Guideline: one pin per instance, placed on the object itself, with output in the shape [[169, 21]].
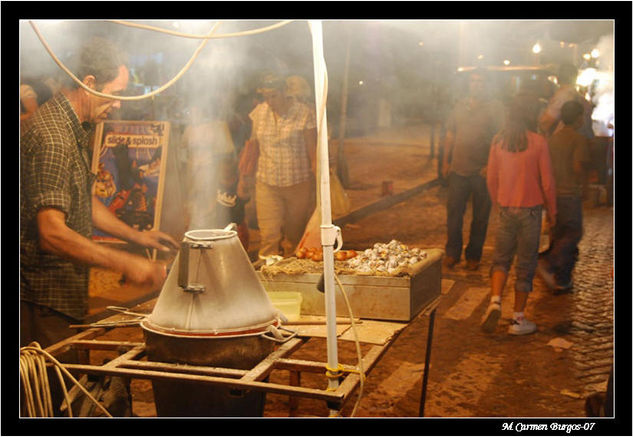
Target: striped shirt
[[54, 173], [283, 158]]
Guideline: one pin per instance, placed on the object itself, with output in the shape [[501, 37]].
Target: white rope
[[206, 38], [195, 36], [36, 385], [122, 98]]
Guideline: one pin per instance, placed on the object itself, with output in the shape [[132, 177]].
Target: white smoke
[[603, 93]]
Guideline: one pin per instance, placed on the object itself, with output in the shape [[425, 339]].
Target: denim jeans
[[460, 189], [519, 233], [561, 255]]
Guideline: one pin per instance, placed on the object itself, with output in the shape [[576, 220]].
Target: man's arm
[[104, 220], [57, 238]]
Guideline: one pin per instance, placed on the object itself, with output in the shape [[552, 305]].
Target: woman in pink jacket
[[521, 183]]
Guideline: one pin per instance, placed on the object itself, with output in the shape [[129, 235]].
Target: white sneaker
[[490, 319], [522, 327]]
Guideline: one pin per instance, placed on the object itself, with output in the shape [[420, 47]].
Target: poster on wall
[[129, 160]]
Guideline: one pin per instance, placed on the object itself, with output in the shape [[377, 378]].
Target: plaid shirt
[[55, 173], [283, 158]]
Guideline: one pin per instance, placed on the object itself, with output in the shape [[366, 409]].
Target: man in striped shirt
[[57, 209]]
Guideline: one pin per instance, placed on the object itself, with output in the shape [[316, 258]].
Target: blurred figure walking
[[520, 182], [570, 158], [470, 129]]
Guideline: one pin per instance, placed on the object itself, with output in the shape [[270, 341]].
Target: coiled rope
[[37, 392]]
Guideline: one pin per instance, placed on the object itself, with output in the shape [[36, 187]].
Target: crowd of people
[[525, 160]]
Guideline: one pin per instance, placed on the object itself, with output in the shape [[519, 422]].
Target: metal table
[[130, 363]]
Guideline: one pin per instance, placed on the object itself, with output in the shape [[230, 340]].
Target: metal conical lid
[[216, 292]]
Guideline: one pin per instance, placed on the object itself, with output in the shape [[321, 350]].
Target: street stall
[[213, 337]]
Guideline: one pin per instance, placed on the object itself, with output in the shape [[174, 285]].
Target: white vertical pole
[[328, 231]]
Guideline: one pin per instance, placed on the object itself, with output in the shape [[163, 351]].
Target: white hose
[[361, 370], [194, 36], [205, 38], [122, 98]]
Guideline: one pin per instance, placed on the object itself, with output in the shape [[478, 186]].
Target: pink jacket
[[522, 179]]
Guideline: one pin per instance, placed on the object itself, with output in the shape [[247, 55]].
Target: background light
[[480, 57], [506, 62], [586, 56], [536, 48], [595, 53], [586, 77]]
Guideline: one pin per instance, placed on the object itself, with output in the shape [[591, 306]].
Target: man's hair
[[570, 112], [98, 57], [567, 73]]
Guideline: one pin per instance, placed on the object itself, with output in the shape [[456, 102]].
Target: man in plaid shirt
[[58, 211], [285, 132]]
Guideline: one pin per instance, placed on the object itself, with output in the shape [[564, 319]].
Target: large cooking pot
[[212, 311]]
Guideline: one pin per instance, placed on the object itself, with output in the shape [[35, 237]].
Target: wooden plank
[[66, 344], [370, 360], [294, 365], [374, 332], [318, 331], [261, 370], [129, 355], [324, 395], [384, 203], [105, 344], [182, 368]]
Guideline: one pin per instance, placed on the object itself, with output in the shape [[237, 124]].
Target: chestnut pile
[[390, 258]]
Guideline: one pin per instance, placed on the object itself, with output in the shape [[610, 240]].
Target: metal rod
[[320, 84], [427, 361]]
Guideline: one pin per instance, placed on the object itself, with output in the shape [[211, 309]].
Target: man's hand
[[146, 273], [483, 172], [157, 240]]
